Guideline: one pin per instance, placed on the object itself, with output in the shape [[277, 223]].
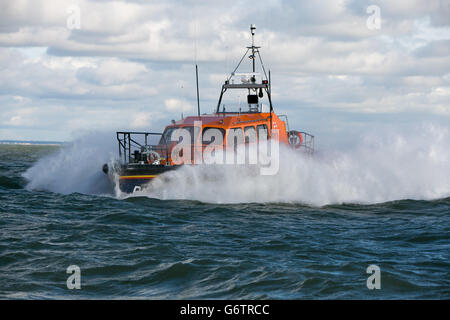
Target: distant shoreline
[[29, 143]]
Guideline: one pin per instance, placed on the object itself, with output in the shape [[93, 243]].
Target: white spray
[[76, 167], [381, 168]]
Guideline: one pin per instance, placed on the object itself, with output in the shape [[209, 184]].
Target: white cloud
[[132, 63], [141, 120], [175, 105], [112, 71]]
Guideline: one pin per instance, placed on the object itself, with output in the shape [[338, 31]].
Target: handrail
[[308, 142], [127, 141]]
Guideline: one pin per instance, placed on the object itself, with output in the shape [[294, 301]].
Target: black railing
[[308, 142], [133, 145], [301, 140]]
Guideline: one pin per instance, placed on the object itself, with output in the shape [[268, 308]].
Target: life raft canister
[[153, 157], [295, 139]]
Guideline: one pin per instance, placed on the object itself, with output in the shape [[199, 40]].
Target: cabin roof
[[225, 119]]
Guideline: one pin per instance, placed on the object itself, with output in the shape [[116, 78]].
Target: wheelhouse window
[[211, 135], [250, 134], [166, 137], [235, 136], [263, 133]]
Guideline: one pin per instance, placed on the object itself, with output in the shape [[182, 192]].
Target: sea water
[[310, 231]]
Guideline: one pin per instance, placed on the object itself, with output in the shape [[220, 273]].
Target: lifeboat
[[244, 115]]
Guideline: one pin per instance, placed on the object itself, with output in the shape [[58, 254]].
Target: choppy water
[[267, 247]]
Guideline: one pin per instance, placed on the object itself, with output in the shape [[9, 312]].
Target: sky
[[338, 68]]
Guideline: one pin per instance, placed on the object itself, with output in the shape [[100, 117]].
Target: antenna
[[270, 83], [271, 107], [252, 30], [198, 95]]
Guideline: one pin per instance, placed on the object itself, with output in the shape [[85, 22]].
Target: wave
[[382, 167], [76, 167]]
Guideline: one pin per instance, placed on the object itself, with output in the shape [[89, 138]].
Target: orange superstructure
[[251, 126]]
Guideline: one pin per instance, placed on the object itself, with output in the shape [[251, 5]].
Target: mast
[[251, 84], [198, 96], [252, 30]]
